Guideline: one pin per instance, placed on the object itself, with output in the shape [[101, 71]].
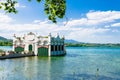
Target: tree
[[53, 8]]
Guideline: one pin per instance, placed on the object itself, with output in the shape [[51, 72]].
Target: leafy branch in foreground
[[53, 8], [9, 6]]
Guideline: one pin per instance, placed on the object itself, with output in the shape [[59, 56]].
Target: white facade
[[39, 44]]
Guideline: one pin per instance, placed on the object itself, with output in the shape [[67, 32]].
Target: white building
[[39, 45]]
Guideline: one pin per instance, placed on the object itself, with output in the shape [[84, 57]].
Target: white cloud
[[42, 27], [2, 0], [78, 22], [80, 34], [36, 21], [107, 26], [18, 5], [93, 18], [5, 18], [86, 33], [99, 17], [75, 29], [115, 30], [41, 22], [116, 25]]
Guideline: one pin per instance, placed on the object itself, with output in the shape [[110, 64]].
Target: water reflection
[[30, 68], [57, 68], [37, 68], [78, 64]]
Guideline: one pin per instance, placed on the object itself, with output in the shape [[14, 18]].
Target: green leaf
[[53, 8], [38, 0], [29, 0], [0, 7]]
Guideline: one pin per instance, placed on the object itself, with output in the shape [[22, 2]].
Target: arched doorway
[[30, 47]]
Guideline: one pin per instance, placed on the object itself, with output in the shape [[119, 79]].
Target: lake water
[[79, 64]]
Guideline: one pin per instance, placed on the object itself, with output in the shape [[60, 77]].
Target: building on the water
[[39, 45]]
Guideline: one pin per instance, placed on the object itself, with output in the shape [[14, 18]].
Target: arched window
[[45, 42], [39, 42]]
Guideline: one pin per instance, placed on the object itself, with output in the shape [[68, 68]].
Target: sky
[[93, 21]]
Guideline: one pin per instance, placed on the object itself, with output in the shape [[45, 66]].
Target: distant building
[[39, 45]]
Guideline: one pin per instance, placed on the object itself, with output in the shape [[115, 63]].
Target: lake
[[80, 63]]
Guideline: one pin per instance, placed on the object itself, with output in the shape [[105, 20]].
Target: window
[[62, 47], [39, 42], [59, 47], [52, 48], [55, 47], [45, 42]]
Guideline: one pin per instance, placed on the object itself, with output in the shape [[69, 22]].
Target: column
[[36, 49], [49, 48]]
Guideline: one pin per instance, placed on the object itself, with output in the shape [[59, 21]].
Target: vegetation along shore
[[93, 45]]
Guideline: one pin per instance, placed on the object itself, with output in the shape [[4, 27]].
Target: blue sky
[[94, 21]]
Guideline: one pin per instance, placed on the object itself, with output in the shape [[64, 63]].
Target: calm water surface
[[79, 64]]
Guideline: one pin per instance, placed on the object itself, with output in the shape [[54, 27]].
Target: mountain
[[71, 41], [4, 39]]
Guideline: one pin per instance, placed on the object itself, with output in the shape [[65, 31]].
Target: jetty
[[16, 55]]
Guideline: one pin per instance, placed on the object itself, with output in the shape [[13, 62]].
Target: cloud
[[94, 27], [94, 18], [41, 22], [78, 22], [107, 26], [2, 0], [115, 30], [5, 18], [103, 16], [36, 21], [85, 34], [18, 5], [115, 25], [43, 27]]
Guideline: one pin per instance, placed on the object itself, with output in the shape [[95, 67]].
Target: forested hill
[[5, 41], [93, 45], [71, 41]]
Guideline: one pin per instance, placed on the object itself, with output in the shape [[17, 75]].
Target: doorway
[[30, 47]]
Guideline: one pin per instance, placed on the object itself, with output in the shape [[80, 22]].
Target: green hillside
[[5, 41]]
